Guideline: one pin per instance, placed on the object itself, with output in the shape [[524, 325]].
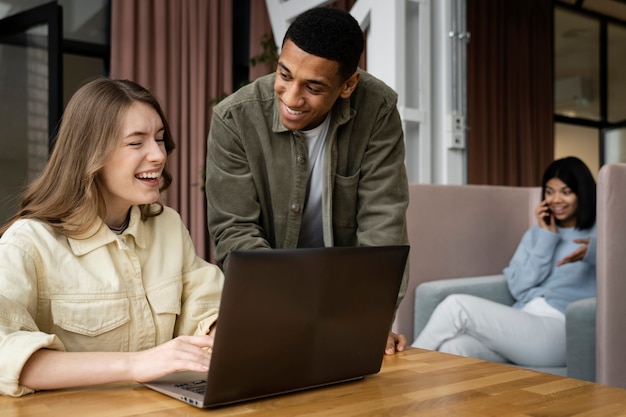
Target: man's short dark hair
[[329, 33]]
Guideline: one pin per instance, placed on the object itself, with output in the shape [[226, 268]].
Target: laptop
[[295, 319]]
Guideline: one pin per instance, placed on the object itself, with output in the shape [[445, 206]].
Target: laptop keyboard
[[198, 386]]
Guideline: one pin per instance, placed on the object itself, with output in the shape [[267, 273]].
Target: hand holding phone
[[545, 217], [548, 217]]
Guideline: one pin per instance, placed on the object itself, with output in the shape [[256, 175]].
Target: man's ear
[[350, 85]]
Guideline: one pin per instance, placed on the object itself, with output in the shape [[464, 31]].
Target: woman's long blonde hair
[[68, 193]]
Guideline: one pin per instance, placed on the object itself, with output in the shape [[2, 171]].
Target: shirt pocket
[[87, 325]]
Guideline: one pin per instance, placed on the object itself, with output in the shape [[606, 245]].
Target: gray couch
[[472, 231], [460, 231], [611, 313], [580, 318]]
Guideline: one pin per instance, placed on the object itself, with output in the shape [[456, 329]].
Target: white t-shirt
[[311, 230]]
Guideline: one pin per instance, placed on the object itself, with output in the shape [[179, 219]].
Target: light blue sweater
[[533, 271]]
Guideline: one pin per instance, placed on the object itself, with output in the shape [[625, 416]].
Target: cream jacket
[[102, 293]]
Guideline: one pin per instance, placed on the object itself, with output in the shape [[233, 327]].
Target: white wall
[[579, 141]]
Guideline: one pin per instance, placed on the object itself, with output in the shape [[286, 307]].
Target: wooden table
[[413, 383]]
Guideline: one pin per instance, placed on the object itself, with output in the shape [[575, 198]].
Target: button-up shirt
[[257, 172]]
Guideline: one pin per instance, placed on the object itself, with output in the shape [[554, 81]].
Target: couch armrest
[[581, 339], [429, 294]]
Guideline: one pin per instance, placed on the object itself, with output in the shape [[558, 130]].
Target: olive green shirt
[[257, 171]]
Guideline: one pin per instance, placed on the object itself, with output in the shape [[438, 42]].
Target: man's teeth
[[294, 112]]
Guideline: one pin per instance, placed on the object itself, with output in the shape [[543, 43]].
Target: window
[[589, 80]]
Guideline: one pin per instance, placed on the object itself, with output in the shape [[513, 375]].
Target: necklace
[[120, 229]]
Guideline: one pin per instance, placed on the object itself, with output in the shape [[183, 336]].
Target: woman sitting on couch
[[554, 265]]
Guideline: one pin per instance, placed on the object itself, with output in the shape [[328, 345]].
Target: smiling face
[[307, 86], [131, 174], [562, 202]]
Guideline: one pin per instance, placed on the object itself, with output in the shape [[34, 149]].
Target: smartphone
[[548, 217]]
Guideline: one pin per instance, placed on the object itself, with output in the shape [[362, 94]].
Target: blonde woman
[[99, 282]]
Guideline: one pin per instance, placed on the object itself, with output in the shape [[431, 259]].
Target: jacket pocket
[[345, 200], [90, 318], [165, 302], [165, 299]]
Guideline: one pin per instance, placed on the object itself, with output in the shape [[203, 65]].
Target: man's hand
[[395, 343]]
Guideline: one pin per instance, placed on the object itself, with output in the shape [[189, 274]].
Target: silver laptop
[[293, 319]]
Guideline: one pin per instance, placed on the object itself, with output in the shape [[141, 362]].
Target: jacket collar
[[99, 234]]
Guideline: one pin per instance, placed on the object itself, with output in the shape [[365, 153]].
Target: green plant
[[269, 56]]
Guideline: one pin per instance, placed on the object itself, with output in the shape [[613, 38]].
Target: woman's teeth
[[148, 175]]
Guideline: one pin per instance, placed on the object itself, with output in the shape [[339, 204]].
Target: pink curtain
[[260, 30], [182, 51]]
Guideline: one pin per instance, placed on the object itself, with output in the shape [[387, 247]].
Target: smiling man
[[312, 155]]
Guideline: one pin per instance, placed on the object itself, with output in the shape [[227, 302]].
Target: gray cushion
[[580, 318], [429, 294]]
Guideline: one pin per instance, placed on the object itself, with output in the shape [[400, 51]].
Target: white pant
[[471, 326]]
